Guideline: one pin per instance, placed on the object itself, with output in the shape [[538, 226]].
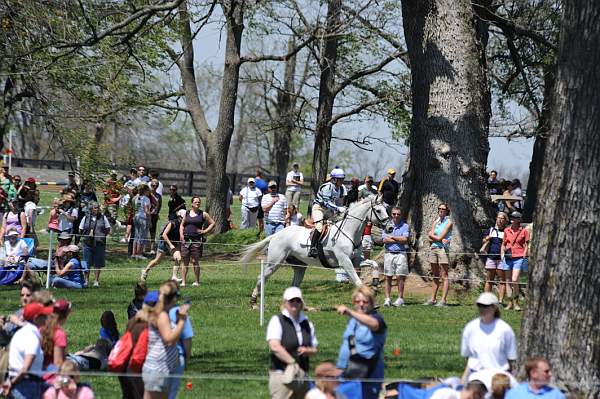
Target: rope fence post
[[49, 258], [262, 293]]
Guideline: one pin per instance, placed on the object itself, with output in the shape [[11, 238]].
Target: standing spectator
[[389, 188], [53, 217], [184, 346], [86, 197], [6, 183], [395, 260], [364, 337], [515, 250], [94, 228], [154, 175], [140, 220], [275, 207], [20, 191], [506, 205], [175, 203], [250, 199], [142, 176], [71, 275], [67, 214], [488, 342], [367, 246], [25, 358], [493, 264], [133, 175], [191, 235], [136, 304], [54, 337], [228, 203], [108, 327], [517, 192], [168, 244], [128, 205], [31, 216], [14, 219], [352, 193], [112, 196], [439, 237], [66, 384], [366, 189], [262, 185], [292, 341], [163, 357], [294, 182], [72, 183], [155, 207], [493, 185], [3, 203], [537, 385], [293, 217]]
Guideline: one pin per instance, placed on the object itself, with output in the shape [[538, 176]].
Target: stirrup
[[313, 252]]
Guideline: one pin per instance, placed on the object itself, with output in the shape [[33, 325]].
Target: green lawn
[[229, 343]]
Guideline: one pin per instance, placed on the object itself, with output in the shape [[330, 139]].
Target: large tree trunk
[[285, 111], [449, 131], [539, 147], [327, 65], [562, 318]]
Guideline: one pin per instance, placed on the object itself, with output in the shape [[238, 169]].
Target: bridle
[[369, 218]]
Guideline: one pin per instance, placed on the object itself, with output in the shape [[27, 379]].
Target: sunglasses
[[295, 300], [442, 209], [395, 214], [357, 301], [479, 305]]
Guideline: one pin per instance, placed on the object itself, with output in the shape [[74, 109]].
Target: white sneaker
[[123, 240], [96, 284], [399, 302], [195, 284], [387, 302], [176, 279]]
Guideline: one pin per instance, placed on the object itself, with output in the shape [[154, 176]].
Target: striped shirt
[[161, 358], [277, 213]]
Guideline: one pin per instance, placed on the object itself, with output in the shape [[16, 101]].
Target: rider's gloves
[[341, 209]]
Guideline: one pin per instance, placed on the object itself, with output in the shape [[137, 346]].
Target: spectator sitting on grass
[[136, 304], [67, 385], [71, 275], [15, 250], [108, 327], [93, 357]]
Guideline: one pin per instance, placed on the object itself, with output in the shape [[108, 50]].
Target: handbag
[[358, 367]]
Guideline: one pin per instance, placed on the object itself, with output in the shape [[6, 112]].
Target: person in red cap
[[25, 358]]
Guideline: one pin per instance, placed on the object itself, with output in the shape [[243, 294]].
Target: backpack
[[138, 356], [120, 354]]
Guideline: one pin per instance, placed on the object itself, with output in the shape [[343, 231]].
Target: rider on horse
[[325, 206]]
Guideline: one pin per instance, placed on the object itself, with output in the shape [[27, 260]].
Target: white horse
[[291, 244]]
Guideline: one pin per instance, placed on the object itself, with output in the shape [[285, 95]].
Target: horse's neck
[[354, 223]]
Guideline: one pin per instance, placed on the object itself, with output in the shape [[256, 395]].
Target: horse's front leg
[[298, 275], [348, 266]]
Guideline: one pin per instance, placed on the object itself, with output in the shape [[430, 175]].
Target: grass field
[[229, 350]]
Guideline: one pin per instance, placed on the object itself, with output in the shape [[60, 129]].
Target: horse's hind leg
[[273, 263], [348, 266], [298, 275]]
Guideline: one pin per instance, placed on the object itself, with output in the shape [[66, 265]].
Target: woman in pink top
[[53, 221], [66, 384], [13, 219], [54, 338], [514, 252]]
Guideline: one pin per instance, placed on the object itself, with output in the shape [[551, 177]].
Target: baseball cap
[[391, 171], [486, 299], [295, 164], [151, 298], [181, 213], [30, 180], [34, 309], [272, 183], [12, 233], [291, 293], [251, 180], [72, 248], [62, 306], [515, 215]]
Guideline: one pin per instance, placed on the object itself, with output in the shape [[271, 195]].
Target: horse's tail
[[253, 250]]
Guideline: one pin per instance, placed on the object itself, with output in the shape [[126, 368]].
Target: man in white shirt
[[25, 358], [294, 182], [249, 197], [275, 207]]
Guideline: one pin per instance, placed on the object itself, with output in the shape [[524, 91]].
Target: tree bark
[[562, 318], [539, 147], [450, 121], [327, 65], [216, 144]]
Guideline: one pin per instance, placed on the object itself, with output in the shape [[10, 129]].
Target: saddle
[[324, 234]]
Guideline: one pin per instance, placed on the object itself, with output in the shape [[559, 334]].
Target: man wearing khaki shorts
[[395, 262]]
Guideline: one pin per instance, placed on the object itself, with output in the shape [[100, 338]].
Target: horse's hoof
[[253, 306]]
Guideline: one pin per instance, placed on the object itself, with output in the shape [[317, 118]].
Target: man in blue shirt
[[395, 262], [538, 374], [184, 346]]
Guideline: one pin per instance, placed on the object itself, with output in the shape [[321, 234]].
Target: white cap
[[487, 298], [291, 293]]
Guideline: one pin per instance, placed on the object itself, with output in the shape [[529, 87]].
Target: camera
[[64, 380]]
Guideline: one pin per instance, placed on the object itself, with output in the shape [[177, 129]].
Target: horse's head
[[378, 214]]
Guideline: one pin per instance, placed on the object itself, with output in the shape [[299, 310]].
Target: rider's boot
[[313, 244]]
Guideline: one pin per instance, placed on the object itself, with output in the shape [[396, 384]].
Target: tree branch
[[336, 118], [285, 57], [368, 71]]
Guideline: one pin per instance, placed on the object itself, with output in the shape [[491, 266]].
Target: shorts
[[395, 264], [516, 264], [163, 247], [493, 264], [367, 243], [191, 250], [261, 212], [438, 256], [94, 256], [155, 382]]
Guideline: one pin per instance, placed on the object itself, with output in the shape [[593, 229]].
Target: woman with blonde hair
[[439, 237], [361, 352], [163, 356], [500, 384], [67, 385]]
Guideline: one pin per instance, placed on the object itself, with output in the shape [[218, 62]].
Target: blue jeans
[[27, 388], [59, 282], [272, 228], [174, 381]]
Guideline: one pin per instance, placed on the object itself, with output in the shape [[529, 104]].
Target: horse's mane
[[362, 201]]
